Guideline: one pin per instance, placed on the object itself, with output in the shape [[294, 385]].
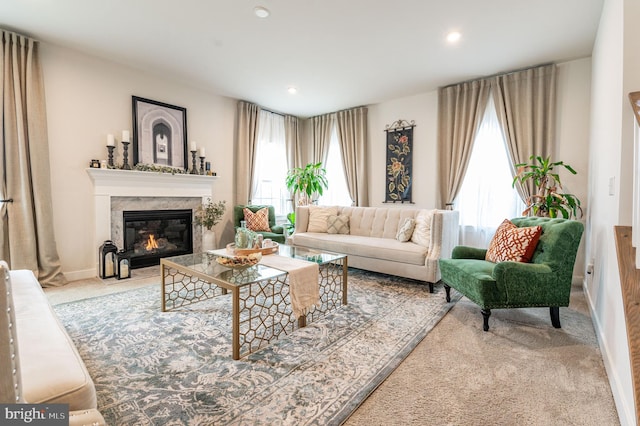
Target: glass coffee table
[[261, 305]]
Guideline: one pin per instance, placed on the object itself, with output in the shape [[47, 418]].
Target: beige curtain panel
[[27, 235], [292, 141], [321, 137], [246, 149], [526, 107], [352, 134], [460, 111]]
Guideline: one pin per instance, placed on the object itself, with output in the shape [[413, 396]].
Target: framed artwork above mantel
[[159, 133]]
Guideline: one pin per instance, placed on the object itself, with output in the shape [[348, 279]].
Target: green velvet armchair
[[545, 282], [277, 231]]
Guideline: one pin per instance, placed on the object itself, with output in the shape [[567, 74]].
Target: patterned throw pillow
[[318, 218], [422, 232], [513, 243], [338, 224], [258, 221], [406, 230]]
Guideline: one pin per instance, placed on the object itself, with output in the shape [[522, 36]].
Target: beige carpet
[[521, 372]]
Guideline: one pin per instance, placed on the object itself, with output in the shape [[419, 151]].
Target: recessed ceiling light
[[453, 36], [292, 90], [261, 12]]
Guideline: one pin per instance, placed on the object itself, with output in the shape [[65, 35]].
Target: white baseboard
[[80, 275], [626, 413]]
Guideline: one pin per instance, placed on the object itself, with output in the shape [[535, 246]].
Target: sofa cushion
[[318, 217], [338, 224], [511, 243], [51, 368], [406, 230], [371, 247], [422, 232], [258, 221]]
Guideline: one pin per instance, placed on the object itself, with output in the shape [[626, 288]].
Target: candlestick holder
[[202, 165], [110, 148], [194, 170], [125, 156]]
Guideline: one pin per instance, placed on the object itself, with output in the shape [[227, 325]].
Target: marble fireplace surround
[[119, 190]]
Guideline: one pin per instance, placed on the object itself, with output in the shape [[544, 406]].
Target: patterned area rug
[[175, 368]]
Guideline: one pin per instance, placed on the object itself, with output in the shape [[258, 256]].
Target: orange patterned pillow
[[258, 221], [513, 243]]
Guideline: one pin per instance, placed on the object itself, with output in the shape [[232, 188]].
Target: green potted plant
[[208, 215], [307, 182], [549, 200]]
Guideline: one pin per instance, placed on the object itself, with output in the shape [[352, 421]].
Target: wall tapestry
[[399, 161]]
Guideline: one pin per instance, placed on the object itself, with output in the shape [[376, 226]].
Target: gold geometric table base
[[261, 309]]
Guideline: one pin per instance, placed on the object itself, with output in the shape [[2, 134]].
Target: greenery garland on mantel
[[141, 167]]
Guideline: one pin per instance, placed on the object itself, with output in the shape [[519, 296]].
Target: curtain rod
[[18, 34], [499, 74]]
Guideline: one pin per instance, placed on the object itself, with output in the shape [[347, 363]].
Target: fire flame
[[151, 243]]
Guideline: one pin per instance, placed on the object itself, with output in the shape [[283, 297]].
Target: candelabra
[[202, 165], [125, 156], [194, 170], [110, 148]]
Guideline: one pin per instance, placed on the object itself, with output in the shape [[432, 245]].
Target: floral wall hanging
[[399, 161]]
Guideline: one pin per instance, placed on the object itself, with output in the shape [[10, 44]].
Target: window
[[271, 164], [337, 193], [486, 197]]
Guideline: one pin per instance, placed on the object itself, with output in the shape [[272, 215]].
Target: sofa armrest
[[466, 252], [302, 219]]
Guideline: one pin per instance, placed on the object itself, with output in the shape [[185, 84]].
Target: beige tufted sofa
[[39, 363], [372, 245]]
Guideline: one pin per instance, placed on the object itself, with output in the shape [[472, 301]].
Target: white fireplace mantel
[[132, 183], [109, 183]]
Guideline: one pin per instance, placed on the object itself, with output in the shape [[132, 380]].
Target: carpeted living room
[[401, 92]]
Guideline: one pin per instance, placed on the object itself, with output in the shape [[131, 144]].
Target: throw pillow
[[318, 218], [406, 230], [422, 232], [258, 221], [338, 224], [513, 243]]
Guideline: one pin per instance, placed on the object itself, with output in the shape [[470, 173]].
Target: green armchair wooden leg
[[447, 289], [555, 316]]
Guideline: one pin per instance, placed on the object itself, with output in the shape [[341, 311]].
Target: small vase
[[208, 239]]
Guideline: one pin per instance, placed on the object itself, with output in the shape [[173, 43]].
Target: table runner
[[303, 281]]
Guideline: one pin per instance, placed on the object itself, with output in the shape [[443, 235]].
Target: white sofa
[[371, 243], [39, 363]]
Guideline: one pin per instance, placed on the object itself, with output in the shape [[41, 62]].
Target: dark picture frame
[[159, 133]]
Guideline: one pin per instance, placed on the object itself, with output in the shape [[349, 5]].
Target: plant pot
[[208, 239]]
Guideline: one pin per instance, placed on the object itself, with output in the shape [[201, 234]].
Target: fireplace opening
[[150, 235]]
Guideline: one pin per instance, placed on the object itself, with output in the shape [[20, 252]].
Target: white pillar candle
[[125, 136], [193, 145], [110, 140], [201, 151]]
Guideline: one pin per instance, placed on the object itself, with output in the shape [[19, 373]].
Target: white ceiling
[[338, 53]]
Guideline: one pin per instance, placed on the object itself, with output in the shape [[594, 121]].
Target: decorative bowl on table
[[240, 262], [231, 248]]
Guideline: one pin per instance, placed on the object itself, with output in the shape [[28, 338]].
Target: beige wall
[[614, 72], [574, 80], [87, 98]]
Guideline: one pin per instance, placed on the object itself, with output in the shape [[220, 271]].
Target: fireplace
[[152, 234]]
